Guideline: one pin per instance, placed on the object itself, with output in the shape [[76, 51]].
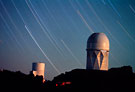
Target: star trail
[[56, 31]]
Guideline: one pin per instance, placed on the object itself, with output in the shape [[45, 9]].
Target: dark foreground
[[115, 79]]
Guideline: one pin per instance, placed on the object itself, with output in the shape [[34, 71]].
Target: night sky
[[56, 31]]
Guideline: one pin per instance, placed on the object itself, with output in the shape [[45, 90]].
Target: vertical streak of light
[[101, 22], [11, 31], [18, 12], [80, 6], [67, 14], [75, 11], [11, 20], [78, 12], [21, 19], [114, 8], [73, 23], [51, 15], [72, 5], [38, 21], [48, 32], [42, 50], [132, 9], [71, 20], [126, 31], [71, 52]]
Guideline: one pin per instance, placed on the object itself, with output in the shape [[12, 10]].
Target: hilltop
[[114, 79]]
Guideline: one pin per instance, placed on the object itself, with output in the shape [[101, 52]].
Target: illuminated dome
[[98, 41]]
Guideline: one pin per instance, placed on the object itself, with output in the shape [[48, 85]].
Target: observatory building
[[38, 69], [97, 52]]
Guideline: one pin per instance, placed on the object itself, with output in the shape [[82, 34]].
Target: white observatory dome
[[98, 41]]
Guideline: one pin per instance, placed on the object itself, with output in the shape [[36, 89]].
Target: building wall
[[97, 59], [38, 69]]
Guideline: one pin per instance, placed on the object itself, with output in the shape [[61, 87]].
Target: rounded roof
[[98, 41], [38, 63]]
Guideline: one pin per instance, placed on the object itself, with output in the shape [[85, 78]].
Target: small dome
[[98, 41]]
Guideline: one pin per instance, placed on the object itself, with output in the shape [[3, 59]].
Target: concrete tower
[[97, 52], [38, 69]]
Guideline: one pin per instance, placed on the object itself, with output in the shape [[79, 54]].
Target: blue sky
[[56, 32]]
